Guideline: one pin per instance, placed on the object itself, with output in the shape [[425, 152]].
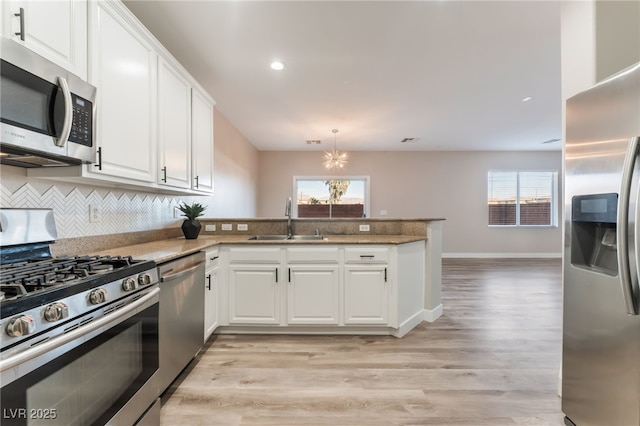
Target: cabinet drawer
[[366, 254], [212, 257], [313, 254], [255, 255]]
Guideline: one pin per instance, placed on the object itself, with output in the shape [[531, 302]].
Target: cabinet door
[[254, 294], [313, 294], [123, 68], [210, 302], [55, 29], [366, 294], [174, 132], [202, 137]]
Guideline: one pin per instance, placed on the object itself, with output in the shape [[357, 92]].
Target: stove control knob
[[144, 279], [98, 296], [128, 284], [21, 326], [56, 311]]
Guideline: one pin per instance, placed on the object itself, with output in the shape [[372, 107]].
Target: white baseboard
[[409, 324], [502, 255], [431, 315]]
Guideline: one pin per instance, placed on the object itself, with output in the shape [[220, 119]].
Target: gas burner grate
[[38, 274]]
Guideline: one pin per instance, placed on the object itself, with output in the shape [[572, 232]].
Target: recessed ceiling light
[[527, 99], [277, 65]]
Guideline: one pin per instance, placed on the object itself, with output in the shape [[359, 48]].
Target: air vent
[[408, 140], [551, 141], [313, 142]]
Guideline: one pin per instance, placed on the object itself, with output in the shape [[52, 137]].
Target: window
[[523, 198], [329, 197]]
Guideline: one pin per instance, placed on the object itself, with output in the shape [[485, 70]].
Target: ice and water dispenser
[[593, 239]]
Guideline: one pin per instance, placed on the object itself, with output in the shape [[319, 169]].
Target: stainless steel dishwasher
[[181, 321]]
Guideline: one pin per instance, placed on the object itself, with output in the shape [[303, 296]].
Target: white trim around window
[[365, 179]]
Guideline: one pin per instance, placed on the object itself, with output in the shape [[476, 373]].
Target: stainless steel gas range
[[78, 334]]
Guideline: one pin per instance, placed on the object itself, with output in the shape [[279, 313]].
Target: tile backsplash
[[119, 211]]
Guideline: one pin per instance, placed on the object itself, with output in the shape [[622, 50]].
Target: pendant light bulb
[[335, 159]]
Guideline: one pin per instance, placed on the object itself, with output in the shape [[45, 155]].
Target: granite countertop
[[165, 250]]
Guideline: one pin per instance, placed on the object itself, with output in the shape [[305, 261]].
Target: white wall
[[236, 162], [236, 172], [452, 185]]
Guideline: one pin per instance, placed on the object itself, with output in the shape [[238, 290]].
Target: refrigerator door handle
[[629, 283]]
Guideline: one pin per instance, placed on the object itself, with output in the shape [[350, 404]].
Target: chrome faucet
[[287, 212]]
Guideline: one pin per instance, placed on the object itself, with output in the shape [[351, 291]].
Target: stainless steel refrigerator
[[601, 329]]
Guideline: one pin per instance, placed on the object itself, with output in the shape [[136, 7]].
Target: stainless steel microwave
[[47, 114]]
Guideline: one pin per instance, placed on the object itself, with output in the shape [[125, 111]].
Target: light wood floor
[[491, 359]]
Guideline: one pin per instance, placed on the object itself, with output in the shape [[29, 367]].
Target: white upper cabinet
[[185, 138], [154, 127], [202, 128], [54, 29], [174, 119], [123, 68]]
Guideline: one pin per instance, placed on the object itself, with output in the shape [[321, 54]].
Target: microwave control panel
[[82, 127]]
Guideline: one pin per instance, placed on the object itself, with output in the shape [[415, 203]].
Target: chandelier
[[335, 159]]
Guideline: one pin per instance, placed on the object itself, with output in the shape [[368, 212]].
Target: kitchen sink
[[269, 237], [284, 237], [306, 237]]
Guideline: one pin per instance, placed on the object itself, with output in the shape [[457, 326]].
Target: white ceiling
[[450, 73]]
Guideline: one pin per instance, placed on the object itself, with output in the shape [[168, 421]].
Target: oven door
[[105, 375]]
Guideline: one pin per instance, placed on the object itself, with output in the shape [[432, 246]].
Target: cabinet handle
[[289, 274], [367, 256], [197, 183], [214, 257], [276, 275], [21, 15], [164, 174], [385, 275], [99, 165], [209, 283]]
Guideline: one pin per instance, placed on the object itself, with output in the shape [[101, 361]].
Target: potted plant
[[191, 225]]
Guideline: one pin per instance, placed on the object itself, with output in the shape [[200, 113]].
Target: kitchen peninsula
[[382, 281]]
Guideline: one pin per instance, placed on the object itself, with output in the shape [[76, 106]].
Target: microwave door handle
[[68, 113], [629, 287]]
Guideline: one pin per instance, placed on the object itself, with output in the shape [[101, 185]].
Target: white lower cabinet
[[313, 294], [366, 294], [367, 285], [254, 294], [211, 293], [319, 288]]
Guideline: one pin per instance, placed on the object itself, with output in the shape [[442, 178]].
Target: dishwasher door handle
[[180, 274]]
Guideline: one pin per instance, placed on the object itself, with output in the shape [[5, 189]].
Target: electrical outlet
[[383, 212], [364, 228], [176, 211], [210, 228], [94, 213], [242, 227], [227, 227]]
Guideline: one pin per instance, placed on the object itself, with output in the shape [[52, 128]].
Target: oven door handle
[[56, 342]]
